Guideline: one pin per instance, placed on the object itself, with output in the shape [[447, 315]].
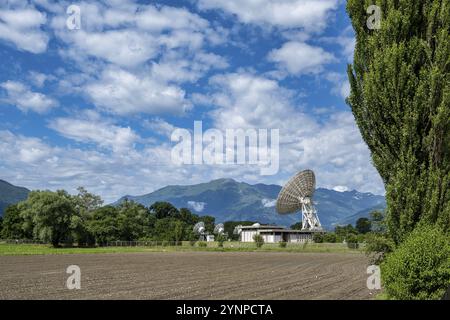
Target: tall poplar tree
[[400, 97]]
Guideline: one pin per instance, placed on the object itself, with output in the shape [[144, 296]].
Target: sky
[[96, 105]]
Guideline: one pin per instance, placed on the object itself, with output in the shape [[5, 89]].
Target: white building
[[275, 234]]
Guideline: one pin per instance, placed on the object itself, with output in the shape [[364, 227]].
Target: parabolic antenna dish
[[298, 189]]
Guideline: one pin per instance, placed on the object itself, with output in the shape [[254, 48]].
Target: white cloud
[[340, 188], [300, 58], [26, 100], [331, 146], [118, 139], [268, 203], [341, 85], [22, 27], [197, 206], [311, 15], [122, 92], [159, 126]]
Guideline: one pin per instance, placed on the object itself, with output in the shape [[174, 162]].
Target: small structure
[[275, 234]]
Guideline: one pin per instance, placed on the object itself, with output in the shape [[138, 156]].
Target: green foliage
[[1, 226], [163, 210], [377, 246], [202, 244], [259, 240], [378, 222], [282, 244], [103, 224], [13, 223], [318, 238], [400, 97], [420, 267], [297, 226], [220, 238], [363, 225], [329, 237], [342, 232], [85, 204], [49, 215], [209, 223], [352, 241]]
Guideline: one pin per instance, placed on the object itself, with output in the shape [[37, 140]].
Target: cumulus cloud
[[311, 15], [118, 139], [332, 146], [197, 206], [22, 27], [159, 126], [25, 99], [122, 92], [301, 58]]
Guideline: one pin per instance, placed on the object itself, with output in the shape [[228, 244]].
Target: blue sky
[[96, 106]]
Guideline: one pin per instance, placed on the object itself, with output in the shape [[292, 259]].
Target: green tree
[[1, 226], [49, 215], [400, 97], [209, 223], [363, 225], [259, 240], [318, 238], [103, 224], [132, 221], [329, 237], [188, 217], [377, 221], [297, 226], [342, 232], [13, 224], [163, 210], [85, 204]]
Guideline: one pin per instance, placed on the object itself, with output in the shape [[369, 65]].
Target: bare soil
[[187, 275]]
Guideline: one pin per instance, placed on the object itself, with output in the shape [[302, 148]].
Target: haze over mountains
[[227, 199]]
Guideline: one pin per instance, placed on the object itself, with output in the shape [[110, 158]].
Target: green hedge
[[420, 266]]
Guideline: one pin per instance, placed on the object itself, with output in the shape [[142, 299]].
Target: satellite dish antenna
[[297, 195], [219, 229], [200, 229]]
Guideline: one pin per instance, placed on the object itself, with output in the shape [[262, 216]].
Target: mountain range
[[10, 194], [227, 199]]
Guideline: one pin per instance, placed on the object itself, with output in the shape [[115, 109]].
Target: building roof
[[262, 227]]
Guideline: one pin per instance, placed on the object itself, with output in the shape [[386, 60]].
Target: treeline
[[364, 228], [63, 219]]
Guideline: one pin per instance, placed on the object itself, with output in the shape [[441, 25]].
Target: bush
[[259, 240], [352, 241], [420, 267], [192, 243], [318, 238], [377, 246], [282, 244], [329, 237], [202, 244], [220, 240]]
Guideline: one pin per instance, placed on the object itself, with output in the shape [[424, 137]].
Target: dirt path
[[187, 275]]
